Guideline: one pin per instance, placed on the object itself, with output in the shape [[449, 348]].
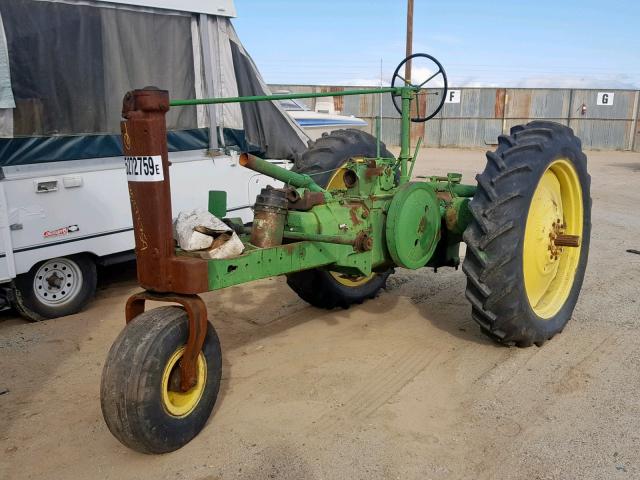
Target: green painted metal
[[404, 222], [405, 133], [268, 262], [316, 237], [285, 96], [378, 122], [463, 190], [326, 233], [451, 183], [287, 176], [413, 225], [410, 224], [218, 203], [458, 215], [358, 210], [415, 156], [406, 92]]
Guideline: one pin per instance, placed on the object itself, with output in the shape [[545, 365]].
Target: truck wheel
[[139, 395], [324, 161], [528, 242], [55, 288]]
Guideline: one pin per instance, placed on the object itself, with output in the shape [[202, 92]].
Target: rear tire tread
[[494, 288]]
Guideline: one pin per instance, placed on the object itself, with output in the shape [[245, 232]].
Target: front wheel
[[528, 241], [140, 397]]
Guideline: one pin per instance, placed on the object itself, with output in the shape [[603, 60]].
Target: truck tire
[[140, 401], [323, 161], [522, 286], [55, 288]]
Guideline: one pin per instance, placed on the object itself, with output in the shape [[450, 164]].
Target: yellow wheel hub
[[551, 251], [176, 402], [337, 183]]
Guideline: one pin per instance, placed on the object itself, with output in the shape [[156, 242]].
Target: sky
[[517, 43]]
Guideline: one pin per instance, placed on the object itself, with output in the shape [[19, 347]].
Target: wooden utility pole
[[407, 66]]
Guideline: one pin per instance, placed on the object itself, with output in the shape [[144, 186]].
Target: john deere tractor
[[337, 225]]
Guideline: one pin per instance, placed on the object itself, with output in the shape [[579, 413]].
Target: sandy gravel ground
[[403, 386]]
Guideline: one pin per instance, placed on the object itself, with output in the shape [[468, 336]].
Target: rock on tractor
[[347, 215]]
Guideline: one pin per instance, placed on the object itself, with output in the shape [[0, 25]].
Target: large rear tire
[[522, 285], [323, 161]]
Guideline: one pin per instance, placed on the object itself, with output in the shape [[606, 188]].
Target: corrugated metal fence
[[484, 113]]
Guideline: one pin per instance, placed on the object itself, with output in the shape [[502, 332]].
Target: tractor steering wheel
[[439, 71]]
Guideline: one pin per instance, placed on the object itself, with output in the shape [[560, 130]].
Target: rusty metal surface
[[500, 102], [349, 178], [457, 215], [354, 213], [197, 313], [144, 134], [451, 218], [270, 213], [565, 240], [363, 242], [305, 202], [268, 228]]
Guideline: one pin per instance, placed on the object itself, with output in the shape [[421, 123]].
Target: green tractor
[[348, 214]]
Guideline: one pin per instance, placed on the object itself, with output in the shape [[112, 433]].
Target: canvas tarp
[[7, 104], [70, 65], [6, 94]]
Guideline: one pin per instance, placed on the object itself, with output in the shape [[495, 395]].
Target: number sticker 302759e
[[144, 169]]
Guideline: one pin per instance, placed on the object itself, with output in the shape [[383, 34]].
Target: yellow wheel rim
[[177, 403], [556, 209], [336, 182], [351, 281]]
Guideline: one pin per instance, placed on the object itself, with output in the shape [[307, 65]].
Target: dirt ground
[[403, 386]]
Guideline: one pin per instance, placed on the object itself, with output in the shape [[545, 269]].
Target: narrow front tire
[[140, 397]]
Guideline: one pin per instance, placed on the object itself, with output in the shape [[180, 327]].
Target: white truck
[[64, 68]]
